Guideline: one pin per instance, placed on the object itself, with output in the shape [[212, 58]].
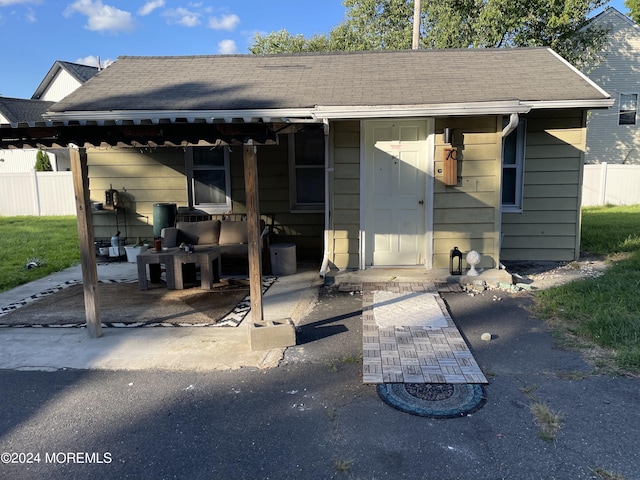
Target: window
[[209, 186], [628, 109], [306, 167], [513, 168]]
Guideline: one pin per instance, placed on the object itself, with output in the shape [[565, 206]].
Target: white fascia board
[[433, 110], [588, 104], [154, 115], [320, 112]]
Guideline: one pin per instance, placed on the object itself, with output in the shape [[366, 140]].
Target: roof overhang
[[215, 127], [311, 114]]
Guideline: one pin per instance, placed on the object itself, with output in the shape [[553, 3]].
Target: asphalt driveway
[[312, 418]]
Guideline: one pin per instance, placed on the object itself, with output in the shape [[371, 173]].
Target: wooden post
[[415, 44], [79, 170], [253, 225]]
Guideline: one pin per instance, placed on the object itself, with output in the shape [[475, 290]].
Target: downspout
[[512, 125], [514, 119], [327, 170]]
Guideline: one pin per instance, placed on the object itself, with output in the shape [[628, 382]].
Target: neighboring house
[[15, 111], [61, 79], [613, 135], [354, 150]]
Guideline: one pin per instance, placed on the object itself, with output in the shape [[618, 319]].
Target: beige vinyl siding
[[149, 176], [467, 215], [549, 226], [143, 177], [303, 229], [617, 73], [344, 230]]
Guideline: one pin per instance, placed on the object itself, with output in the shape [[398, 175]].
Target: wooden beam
[[253, 225], [79, 171]]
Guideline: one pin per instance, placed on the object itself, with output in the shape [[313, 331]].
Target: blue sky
[[36, 33]]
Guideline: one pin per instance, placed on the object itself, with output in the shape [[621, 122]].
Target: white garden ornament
[[473, 259]]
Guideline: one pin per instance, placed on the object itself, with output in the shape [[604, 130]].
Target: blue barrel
[[164, 215]]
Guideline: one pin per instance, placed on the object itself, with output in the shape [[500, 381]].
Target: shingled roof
[[379, 79], [81, 73], [19, 110]]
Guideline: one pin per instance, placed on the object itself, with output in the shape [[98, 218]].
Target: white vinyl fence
[[611, 184], [37, 194]]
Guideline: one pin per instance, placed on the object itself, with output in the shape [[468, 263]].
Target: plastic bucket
[[283, 258], [133, 252]]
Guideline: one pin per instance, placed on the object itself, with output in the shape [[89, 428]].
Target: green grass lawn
[[51, 241], [604, 310]]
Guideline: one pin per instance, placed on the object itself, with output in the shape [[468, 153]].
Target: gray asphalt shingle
[[414, 77], [21, 110]]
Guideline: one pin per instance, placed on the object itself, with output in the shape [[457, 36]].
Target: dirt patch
[[543, 275], [125, 303]]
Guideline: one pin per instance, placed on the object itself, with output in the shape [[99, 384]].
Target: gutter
[[325, 259], [317, 113]]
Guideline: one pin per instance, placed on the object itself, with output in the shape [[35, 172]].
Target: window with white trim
[[513, 168], [628, 104], [306, 170], [208, 179]]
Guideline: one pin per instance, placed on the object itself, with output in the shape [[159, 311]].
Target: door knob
[[421, 202]]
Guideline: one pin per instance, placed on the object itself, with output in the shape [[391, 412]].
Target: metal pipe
[[325, 258]]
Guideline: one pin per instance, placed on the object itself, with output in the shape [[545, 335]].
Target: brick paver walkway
[[422, 345]]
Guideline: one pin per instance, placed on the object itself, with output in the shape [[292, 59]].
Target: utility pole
[[416, 24]]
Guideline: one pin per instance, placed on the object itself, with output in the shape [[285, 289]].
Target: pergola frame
[[77, 137]]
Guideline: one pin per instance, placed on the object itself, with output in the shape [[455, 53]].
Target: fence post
[[36, 193], [603, 185]]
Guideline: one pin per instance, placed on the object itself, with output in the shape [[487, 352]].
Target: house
[[14, 111], [61, 79], [613, 135], [366, 159]]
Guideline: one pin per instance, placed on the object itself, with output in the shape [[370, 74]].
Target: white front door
[[396, 201]]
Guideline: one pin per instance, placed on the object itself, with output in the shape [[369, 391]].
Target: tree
[[634, 6], [388, 25], [284, 42], [42, 162]]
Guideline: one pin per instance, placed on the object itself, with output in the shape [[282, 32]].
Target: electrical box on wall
[[450, 168]]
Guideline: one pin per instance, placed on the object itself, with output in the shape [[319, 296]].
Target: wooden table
[[206, 257], [155, 259]]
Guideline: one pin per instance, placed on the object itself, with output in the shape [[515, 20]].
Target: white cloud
[[182, 16], [93, 61], [31, 16], [227, 47], [226, 22], [101, 17], [149, 7]]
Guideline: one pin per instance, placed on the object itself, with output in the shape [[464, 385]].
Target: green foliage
[[388, 25], [51, 240], [284, 42], [605, 310], [634, 7], [42, 162]]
